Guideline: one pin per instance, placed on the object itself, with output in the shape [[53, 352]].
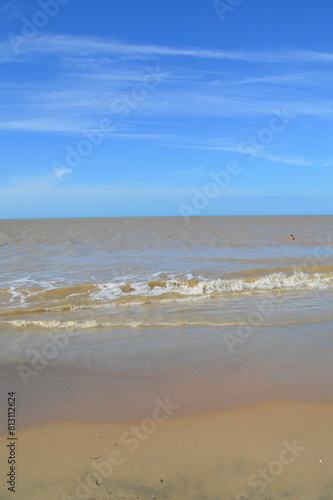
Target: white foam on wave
[[140, 292], [17, 295], [107, 291], [131, 323], [89, 324], [278, 281]]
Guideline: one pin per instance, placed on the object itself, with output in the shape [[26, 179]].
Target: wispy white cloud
[[88, 46], [234, 147], [9, 10], [43, 124], [74, 110], [143, 136], [206, 145], [229, 146], [296, 161], [61, 172], [6, 7], [191, 91], [90, 84], [176, 173]]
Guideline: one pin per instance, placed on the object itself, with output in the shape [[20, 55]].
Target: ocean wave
[[91, 296], [79, 325], [95, 324], [280, 281]]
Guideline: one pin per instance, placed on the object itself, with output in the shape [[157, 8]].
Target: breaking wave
[[80, 296]]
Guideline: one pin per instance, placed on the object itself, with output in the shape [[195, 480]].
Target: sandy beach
[[272, 450]]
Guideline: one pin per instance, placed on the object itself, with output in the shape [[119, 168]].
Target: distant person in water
[[291, 237]]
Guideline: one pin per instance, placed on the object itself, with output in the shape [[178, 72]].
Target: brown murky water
[[99, 317]]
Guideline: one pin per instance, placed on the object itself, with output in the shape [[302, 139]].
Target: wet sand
[[268, 451], [61, 393]]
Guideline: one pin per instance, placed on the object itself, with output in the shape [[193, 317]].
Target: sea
[[216, 311]]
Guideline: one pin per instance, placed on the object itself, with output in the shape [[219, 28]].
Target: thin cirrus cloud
[[9, 10], [296, 161], [232, 147], [73, 108], [87, 46], [192, 88]]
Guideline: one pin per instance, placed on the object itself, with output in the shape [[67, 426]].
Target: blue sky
[[154, 107]]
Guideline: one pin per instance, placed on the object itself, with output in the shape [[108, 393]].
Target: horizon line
[[164, 216]]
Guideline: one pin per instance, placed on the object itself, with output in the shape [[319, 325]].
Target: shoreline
[[62, 393], [279, 448]]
